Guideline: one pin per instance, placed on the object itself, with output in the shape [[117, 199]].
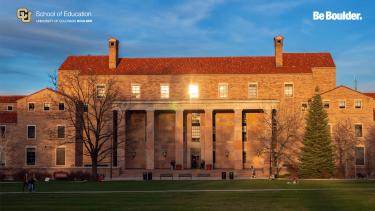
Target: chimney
[[279, 50], [113, 52]]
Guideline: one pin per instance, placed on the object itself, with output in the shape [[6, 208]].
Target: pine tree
[[317, 152]]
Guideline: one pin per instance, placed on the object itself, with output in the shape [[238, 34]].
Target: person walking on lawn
[[25, 182]]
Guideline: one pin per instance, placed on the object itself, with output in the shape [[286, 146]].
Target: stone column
[[238, 139], [150, 139], [179, 139], [208, 144], [121, 137]]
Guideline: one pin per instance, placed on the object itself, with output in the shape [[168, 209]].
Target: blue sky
[[29, 52]]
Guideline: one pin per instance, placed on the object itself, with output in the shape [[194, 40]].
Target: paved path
[[193, 191]]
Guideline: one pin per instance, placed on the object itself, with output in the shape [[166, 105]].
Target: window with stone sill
[[100, 91], [136, 91], [31, 131], [60, 132], [47, 106], [326, 104], [288, 90], [253, 90], [164, 91], [360, 156], [60, 156], [223, 90], [31, 106], [10, 108], [30, 156], [358, 104], [358, 130], [61, 106], [342, 104]]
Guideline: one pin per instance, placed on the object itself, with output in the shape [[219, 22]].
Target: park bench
[[166, 175], [188, 175], [60, 175]]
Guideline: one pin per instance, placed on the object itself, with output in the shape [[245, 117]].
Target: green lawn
[[307, 195]]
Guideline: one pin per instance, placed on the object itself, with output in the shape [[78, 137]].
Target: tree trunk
[[94, 168]]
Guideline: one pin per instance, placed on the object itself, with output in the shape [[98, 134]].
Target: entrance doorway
[[195, 159]]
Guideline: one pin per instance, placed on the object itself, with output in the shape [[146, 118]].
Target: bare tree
[[345, 143], [370, 151], [89, 106], [287, 138]]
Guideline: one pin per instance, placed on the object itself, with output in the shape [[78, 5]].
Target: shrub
[[20, 175], [2, 176], [79, 176]]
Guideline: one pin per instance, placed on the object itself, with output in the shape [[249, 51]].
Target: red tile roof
[[370, 94], [10, 98], [293, 63], [8, 117]]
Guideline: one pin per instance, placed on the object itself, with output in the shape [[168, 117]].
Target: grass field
[[192, 195]]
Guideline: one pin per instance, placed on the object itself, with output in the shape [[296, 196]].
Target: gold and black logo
[[24, 15]]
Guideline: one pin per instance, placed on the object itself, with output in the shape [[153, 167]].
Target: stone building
[[198, 112]]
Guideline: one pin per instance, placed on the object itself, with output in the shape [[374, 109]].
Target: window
[[288, 90], [243, 157], [195, 127], [100, 90], [193, 91], [136, 91], [326, 104], [358, 103], [195, 118], [31, 107], [60, 131], [223, 90], [10, 108], [359, 156], [304, 107], [30, 156], [342, 104], [253, 90], [195, 133], [164, 91], [61, 106], [358, 130], [31, 131], [60, 156], [46, 106], [2, 131]]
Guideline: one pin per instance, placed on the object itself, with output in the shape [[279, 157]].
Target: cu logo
[[24, 15]]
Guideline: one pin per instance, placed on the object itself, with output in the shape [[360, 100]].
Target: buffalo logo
[[24, 15]]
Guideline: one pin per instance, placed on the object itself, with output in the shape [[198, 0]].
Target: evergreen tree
[[317, 152]]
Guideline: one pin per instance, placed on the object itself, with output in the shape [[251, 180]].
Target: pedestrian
[[25, 182], [32, 181]]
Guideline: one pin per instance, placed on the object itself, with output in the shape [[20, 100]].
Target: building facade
[[194, 113]]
